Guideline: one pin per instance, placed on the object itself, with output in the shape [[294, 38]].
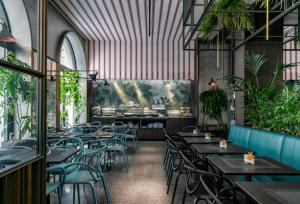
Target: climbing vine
[[70, 94]]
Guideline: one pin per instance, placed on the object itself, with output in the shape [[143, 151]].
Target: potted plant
[[214, 102], [272, 106]]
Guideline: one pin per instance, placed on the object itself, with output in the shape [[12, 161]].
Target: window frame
[[40, 74]]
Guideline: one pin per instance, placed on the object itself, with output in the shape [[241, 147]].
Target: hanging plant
[[214, 101], [70, 93], [232, 15]]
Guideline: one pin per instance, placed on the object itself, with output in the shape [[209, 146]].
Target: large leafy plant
[[272, 105], [70, 94], [214, 102], [18, 91], [233, 15]]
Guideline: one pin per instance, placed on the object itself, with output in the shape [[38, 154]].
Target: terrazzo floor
[[145, 183]]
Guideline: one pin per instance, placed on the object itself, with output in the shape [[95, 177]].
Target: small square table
[[60, 155], [216, 149], [235, 165], [272, 192], [202, 140], [191, 134]]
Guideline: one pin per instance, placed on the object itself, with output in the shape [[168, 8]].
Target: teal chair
[[92, 143], [117, 144], [107, 128], [76, 130], [130, 134], [55, 185], [89, 173]]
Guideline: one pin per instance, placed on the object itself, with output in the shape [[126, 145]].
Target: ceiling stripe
[[120, 20], [119, 43]]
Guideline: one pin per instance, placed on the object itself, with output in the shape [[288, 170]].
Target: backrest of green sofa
[[239, 135], [266, 143]]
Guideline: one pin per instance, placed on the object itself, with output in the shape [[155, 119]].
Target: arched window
[[67, 57], [72, 58]]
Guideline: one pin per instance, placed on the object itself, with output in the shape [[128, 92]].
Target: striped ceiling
[[125, 20], [120, 46]]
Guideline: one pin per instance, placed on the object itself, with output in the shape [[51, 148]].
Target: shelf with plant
[[232, 15]]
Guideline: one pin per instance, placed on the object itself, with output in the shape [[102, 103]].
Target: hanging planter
[[233, 15]]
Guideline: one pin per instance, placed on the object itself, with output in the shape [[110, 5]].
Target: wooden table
[[202, 140], [60, 155], [235, 165], [12, 157], [272, 192], [103, 134]]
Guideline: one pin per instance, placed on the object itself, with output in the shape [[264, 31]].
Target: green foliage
[[214, 101], [270, 106], [18, 90], [230, 14], [253, 63], [70, 93]]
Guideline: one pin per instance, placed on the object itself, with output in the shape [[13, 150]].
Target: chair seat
[[51, 186], [89, 151], [116, 147], [81, 176]]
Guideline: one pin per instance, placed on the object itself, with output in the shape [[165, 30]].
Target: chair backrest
[[107, 128], [91, 141], [118, 123], [66, 125], [26, 143], [76, 130], [95, 123], [215, 187], [57, 171], [69, 143]]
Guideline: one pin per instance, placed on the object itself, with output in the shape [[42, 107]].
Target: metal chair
[[118, 144], [89, 173], [54, 185]]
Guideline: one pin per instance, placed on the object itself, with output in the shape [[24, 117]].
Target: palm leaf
[[254, 62]]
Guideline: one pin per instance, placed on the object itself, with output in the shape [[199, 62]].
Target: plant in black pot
[[214, 102]]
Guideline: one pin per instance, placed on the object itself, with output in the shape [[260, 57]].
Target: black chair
[[204, 184], [220, 189], [175, 161]]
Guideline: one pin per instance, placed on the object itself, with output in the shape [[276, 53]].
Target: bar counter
[[154, 131]]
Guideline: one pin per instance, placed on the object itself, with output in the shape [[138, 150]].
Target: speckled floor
[[145, 183]]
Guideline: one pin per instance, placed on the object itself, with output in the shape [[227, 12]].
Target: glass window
[[19, 87], [72, 58], [18, 30], [67, 57]]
